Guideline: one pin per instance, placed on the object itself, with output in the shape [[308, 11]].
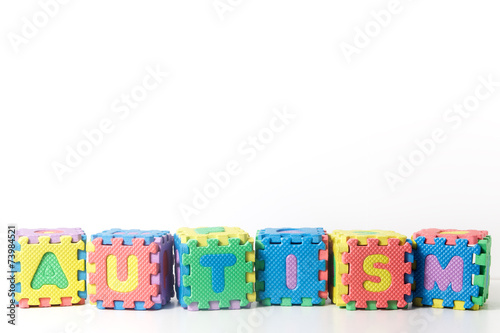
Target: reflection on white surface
[[173, 318]]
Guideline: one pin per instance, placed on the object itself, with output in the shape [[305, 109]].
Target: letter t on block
[[214, 268]]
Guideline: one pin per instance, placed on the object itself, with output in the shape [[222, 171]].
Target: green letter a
[[49, 272]]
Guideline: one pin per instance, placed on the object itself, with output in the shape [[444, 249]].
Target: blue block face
[[445, 272], [181, 271], [288, 265]]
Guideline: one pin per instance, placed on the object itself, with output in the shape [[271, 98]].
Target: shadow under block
[[291, 266], [451, 268], [214, 268], [372, 269], [131, 269], [50, 267]]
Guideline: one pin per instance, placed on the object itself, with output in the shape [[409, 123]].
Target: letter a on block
[[218, 262], [49, 272], [372, 266], [453, 273], [115, 278]]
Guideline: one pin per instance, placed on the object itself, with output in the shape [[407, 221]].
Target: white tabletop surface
[[173, 318]]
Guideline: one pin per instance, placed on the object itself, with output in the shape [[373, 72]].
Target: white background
[[353, 120]]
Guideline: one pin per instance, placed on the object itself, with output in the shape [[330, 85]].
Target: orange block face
[[372, 269], [130, 269]]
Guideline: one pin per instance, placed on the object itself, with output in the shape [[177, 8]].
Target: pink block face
[[451, 235], [394, 269], [145, 290]]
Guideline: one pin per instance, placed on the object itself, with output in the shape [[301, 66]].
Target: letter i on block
[[372, 269], [291, 266], [50, 267], [214, 268], [451, 268], [131, 269]]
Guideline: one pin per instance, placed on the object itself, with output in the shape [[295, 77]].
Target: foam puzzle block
[[372, 269], [214, 268], [451, 268], [291, 266], [50, 267], [131, 269]]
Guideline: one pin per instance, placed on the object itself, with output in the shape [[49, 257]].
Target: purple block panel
[[166, 277], [54, 234]]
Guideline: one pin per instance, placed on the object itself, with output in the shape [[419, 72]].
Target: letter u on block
[[132, 274]]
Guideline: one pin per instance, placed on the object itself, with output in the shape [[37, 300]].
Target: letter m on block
[[452, 274]]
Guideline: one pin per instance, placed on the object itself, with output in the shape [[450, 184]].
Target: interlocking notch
[[131, 269], [214, 269], [449, 270], [292, 266], [338, 240], [382, 279], [50, 269]]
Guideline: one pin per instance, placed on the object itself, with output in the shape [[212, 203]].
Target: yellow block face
[[338, 245], [91, 289], [453, 232], [30, 256], [221, 233], [112, 274]]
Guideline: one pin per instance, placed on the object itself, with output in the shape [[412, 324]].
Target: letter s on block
[[112, 274], [371, 266]]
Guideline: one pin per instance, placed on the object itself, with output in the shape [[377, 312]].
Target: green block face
[[217, 274], [483, 279], [206, 231]]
